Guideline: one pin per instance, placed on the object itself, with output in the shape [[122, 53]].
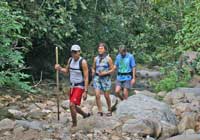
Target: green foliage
[[188, 36], [11, 60], [48, 24], [196, 64], [146, 28], [173, 77], [155, 31]]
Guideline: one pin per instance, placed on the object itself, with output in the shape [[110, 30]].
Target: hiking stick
[[57, 83]]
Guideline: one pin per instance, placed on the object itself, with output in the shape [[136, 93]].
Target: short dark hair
[[122, 47]]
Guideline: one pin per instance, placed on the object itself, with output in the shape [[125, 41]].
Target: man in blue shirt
[[126, 71]]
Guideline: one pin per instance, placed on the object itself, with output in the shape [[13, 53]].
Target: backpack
[[81, 69]]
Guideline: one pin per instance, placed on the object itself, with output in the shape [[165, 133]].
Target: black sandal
[[108, 114], [100, 113]]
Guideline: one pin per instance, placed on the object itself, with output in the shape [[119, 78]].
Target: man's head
[[101, 48], [122, 50], [75, 51]]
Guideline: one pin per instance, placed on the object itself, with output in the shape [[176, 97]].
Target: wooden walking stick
[[57, 83]]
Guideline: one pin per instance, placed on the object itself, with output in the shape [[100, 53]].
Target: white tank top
[[76, 75]]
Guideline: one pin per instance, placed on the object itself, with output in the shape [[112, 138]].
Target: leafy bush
[[196, 65], [188, 36], [11, 60], [174, 77]]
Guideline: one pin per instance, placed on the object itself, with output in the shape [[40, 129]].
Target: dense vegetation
[[156, 32]]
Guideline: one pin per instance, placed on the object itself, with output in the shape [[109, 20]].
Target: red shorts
[[75, 95]]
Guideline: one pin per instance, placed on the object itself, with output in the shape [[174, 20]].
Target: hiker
[[126, 72], [102, 69], [78, 82]]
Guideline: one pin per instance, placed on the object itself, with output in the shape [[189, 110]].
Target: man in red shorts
[[78, 69]]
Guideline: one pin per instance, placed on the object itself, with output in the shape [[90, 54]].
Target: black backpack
[[81, 69]]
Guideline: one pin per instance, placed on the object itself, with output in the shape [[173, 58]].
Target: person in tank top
[[78, 81], [102, 69]]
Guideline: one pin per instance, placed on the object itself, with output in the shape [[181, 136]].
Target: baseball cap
[[75, 48]]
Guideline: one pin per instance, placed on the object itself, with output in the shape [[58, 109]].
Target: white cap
[[75, 48]]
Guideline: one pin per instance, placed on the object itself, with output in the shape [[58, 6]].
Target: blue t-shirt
[[124, 65]]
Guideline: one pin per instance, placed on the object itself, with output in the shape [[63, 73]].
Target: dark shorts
[[75, 95], [124, 84]]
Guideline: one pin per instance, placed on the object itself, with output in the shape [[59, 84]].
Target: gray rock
[[142, 127], [18, 130], [101, 123], [168, 130], [148, 74], [37, 115], [16, 113], [145, 92], [182, 107], [186, 137], [143, 107], [149, 138], [182, 95], [29, 125], [162, 94], [189, 132], [187, 122], [65, 104], [6, 125]]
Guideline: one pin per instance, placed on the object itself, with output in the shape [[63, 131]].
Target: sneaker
[[88, 115]]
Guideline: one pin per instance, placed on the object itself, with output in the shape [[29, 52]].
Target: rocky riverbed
[[141, 117]]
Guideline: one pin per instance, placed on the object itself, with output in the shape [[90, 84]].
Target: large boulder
[[147, 116], [143, 107], [187, 122], [148, 74], [184, 95], [6, 125], [142, 127], [98, 122], [186, 137]]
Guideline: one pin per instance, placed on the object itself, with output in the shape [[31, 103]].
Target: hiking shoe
[[88, 115]]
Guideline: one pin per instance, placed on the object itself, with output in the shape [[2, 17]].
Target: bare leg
[[126, 93], [80, 111], [107, 97], [73, 114], [117, 92], [98, 100]]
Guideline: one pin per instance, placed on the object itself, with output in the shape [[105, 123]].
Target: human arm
[[94, 66], [64, 70], [133, 80], [115, 64], [133, 65], [85, 76]]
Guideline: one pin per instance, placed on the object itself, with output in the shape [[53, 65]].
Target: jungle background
[[163, 36], [156, 32]]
